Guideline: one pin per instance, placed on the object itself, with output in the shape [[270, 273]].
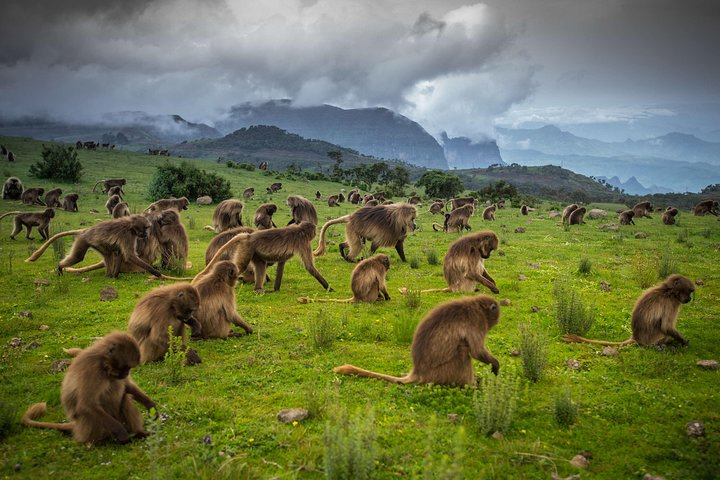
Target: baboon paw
[[191, 357]]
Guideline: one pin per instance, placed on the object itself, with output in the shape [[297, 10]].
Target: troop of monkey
[[97, 393]]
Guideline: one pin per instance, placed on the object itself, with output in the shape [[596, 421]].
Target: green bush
[[533, 352], [666, 265], [186, 180], [566, 410], [571, 314], [494, 403], [58, 163], [432, 257], [174, 359], [322, 330], [413, 298], [350, 448], [585, 266]]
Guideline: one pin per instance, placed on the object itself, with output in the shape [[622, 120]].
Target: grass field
[[218, 419]]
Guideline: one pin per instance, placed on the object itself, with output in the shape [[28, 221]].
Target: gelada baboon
[[567, 211], [109, 183], [457, 220], [10, 156], [52, 198], [12, 189], [228, 214], [168, 203], [414, 200], [707, 206], [576, 217], [248, 193], [70, 202], [115, 191], [354, 197], [437, 207], [643, 209], [524, 210], [459, 202], [31, 196], [383, 225], [369, 198], [276, 245], [163, 307], [97, 394], [217, 312], [489, 213], [367, 282], [654, 316], [317, 195], [274, 187], [669, 214], [263, 216], [248, 276], [30, 220], [121, 210], [626, 217], [332, 201], [112, 201], [302, 210], [114, 239], [445, 342]]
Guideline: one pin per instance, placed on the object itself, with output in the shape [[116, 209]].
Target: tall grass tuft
[[350, 448], [666, 265], [565, 410], [585, 266], [570, 311], [414, 263], [176, 265], [58, 248], [645, 273], [494, 403], [190, 222], [432, 258], [404, 327], [413, 298], [322, 329], [174, 358], [533, 352]]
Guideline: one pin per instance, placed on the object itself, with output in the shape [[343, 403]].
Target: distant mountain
[[379, 132], [461, 153], [633, 187]]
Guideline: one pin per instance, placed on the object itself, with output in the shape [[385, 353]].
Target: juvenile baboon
[[576, 217], [12, 189], [114, 239], [228, 214], [274, 187], [524, 210], [52, 198], [97, 394], [654, 316], [163, 307], [437, 207], [457, 220], [668, 217], [263, 216], [707, 206], [317, 195], [115, 191], [626, 217], [217, 311], [276, 245], [445, 342], [367, 282], [10, 156], [459, 202], [332, 201], [414, 200], [643, 209], [109, 183], [121, 210], [383, 225], [70, 202], [302, 210], [248, 193], [31, 196], [111, 203], [29, 220], [489, 213], [168, 203]]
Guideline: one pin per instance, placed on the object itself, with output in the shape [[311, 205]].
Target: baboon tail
[[209, 228], [38, 253], [173, 279], [404, 290], [37, 410], [73, 352], [437, 226], [326, 300], [8, 213], [577, 339], [89, 268], [95, 186], [353, 370], [219, 254], [320, 250]]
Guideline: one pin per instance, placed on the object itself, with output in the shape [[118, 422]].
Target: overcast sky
[[451, 65]]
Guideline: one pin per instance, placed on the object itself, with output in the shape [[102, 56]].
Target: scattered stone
[[290, 415], [647, 476], [641, 235], [554, 214], [505, 302], [498, 436], [695, 429], [85, 279], [534, 309], [522, 277], [573, 364], [26, 314], [44, 327], [453, 417], [708, 364], [579, 461], [699, 282], [207, 440], [15, 342], [597, 213], [605, 286], [33, 345], [108, 293], [610, 352], [534, 266], [501, 253], [520, 230], [41, 282], [611, 227], [515, 353], [204, 200], [59, 366]]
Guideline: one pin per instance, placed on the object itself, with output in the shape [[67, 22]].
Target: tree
[[337, 172], [497, 191], [367, 173], [394, 180], [188, 181], [439, 184], [58, 163]]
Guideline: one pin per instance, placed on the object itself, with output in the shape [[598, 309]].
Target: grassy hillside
[[218, 420]]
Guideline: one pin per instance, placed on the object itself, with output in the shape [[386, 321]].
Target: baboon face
[[487, 244], [184, 203], [185, 303], [385, 261], [491, 309], [270, 210], [682, 287], [121, 358]]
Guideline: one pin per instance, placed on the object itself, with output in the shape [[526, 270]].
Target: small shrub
[[666, 265], [571, 314], [414, 263], [58, 163], [533, 352], [322, 330], [314, 402], [565, 410], [58, 248], [413, 298], [645, 273], [494, 403], [174, 358], [246, 166], [186, 180], [432, 258], [350, 448], [190, 222], [176, 265], [585, 266], [404, 328]]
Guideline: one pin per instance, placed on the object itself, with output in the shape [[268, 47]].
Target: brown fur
[[354, 197], [12, 189], [367, 282], [228, 214], [318, 195], [374, 203], [302, 210], [30, 220], [115, 191], [263, 216], [383, 225], [568, 211], [97, 394], [414, 200], [248, 276], [707, 206], [109, 183], [457, 220], [52, 198], [576, 217], [626, 217], [437, 207], [368, 198], [171, 236], [643, 209], [178, 204], [668, 217], [524, 210], [31, 196], [217, 312], [445, 342], [168, 306], [120, 210], [111, 203], [248, 193], [70, 202], [459, 202], [274, 187], [489, 213], [332, 201], [654, 316]]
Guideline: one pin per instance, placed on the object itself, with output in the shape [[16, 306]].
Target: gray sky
[[451, 65]]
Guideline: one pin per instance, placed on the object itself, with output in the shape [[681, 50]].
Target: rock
[[520, 230], [554, 214], [26, 314], [699, 282], [597, 213], [647, 476], [204, 200], [695, 429], [708, 364], [59, 366], [453, 417], [290, 415], [505, 302], [611, 227], [44, 327], [573, 364], [534, 309], [534, 266], [108, 293], [15, 342], [641, 235], [579, 461], [605, 286], [498, 436], [501, 253], [610, 352], [85, 279], [33, 345], [515, 353], [522, 277], [41, 282]]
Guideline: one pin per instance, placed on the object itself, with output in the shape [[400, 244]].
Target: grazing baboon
[[10, 156], [383, 225], [276, 245], [459, 202], [109, 183], [489, 213], [524, 210], [414, 200], [317, 195], [12, 189], [114, 239], [668, 217], [248, 193], [654, 316], [228, 214], [568, 211], [274, 187], [457, 220], [111, 203], [302, 210], [31, 196], [626, 217], [354, 197], [367, 282], [97, 393], [52, 198], [70, 202], [341, 197], [217, 311], [263, 166], [263, 216], [168, 203], [576, 217], [30, 220], [643, 209], [121, 210], [163, 307], [445, 342], [115, 191], [707, 206], [332, 201], [437, 207]]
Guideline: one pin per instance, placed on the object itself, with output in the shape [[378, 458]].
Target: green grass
[[219, 419]]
